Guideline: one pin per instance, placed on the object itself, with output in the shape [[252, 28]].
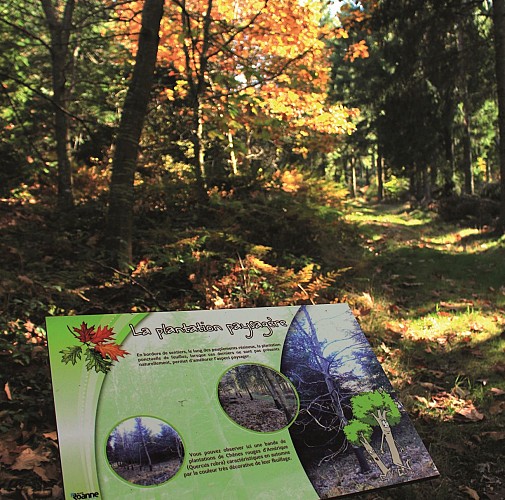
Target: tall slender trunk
[[196, 62], [465, 100], [120, 216], [60, 28], [368, 447], [380, 177], [354, 183], [381, 419], [499, 42], [233, 156], [281, 398]]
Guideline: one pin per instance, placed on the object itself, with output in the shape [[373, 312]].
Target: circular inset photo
[[258, 398], [144, 451]]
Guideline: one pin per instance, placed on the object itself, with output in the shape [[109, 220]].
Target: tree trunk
[[381, 419], [60, 35], [279, 395], [196, 62], [354, 185], [465, 99], [120, 216], [380, 177], [499, 42], [233, 156], [368, 447], [199, 149]]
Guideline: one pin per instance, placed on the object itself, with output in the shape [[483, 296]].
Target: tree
[[60, 27], [421, 85], [142, 439], [120, 215], [499, 42], [377, 408], [359, 433], [66, 129], [272, 384], [314, 374], [244, 73]]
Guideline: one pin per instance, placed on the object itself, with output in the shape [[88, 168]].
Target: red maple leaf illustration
[[85, 333], [110, 350], [102, 334]]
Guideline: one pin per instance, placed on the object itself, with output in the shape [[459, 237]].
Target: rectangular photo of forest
[[351, 434]]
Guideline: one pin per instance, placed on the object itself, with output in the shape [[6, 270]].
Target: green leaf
[[95, 361], [71, 354]]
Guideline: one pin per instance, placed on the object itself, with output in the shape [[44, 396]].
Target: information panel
[[264, 403]]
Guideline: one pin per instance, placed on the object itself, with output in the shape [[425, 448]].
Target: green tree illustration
[[377, 408], [359, 433]]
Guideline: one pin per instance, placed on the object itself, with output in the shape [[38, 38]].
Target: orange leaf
[[110, 350], [102, 334]]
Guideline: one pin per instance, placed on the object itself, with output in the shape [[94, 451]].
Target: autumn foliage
[[256, 67], [100, 349]]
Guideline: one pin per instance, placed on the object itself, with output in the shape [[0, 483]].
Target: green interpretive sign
[[265, 403]]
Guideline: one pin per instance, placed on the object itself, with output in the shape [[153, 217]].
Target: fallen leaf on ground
[[497, 392], [422, 400], [28, 459], [470, 413], [431, 387], [497, 408], [494, 435], [470, 492], [25, 279], [51, 435]]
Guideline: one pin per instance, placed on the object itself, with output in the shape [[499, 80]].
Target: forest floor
[[259, 415], [161, 473], [429, 296], [431, 299]]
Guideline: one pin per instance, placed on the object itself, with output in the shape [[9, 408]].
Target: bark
[[280, 396], [233, 156], [197, 86], [380, 177], [387, 434], [60, 28], [368, 447], [180, 449], [120, 216], [465, 99], [354, 183], [448, 138], [499, 42]]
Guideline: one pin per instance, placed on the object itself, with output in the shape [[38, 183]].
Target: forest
[[143, 456], [165, 155], [257, 398]]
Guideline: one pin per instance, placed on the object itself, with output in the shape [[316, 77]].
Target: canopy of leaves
[[366, 405], [356, 430]]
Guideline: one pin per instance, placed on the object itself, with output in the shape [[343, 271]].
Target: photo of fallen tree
[[351, 434]]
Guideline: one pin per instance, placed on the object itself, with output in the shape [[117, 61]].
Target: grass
[[431, 298]]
